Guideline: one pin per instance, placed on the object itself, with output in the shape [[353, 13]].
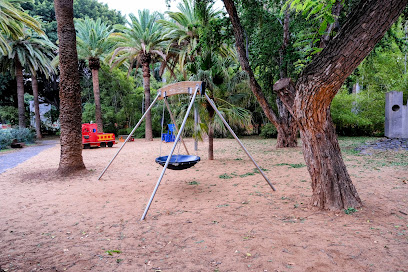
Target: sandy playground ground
[[217, 216]]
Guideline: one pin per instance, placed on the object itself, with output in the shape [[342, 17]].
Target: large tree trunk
[[20, 94], [331, 183], [97, 98], [146, 86], [34, 85], [70, 91], [316, 88]]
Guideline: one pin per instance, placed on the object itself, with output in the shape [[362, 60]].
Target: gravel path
[[384, 144], [12, 159]]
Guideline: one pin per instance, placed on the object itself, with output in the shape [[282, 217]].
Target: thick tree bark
[[285, 127], [34, 85], [20, 94], [146, 86], [331, 183], [70, 91], [97, 98]]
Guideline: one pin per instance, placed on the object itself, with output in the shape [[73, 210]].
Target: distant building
[[396, 116], [46, 120]]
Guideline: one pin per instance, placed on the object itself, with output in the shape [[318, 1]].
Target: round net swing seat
[[178, 162]]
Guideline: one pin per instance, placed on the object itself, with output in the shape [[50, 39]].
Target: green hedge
[[360, 114], [20, 134]]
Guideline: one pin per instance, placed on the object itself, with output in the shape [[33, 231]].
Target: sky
[[132, 6]]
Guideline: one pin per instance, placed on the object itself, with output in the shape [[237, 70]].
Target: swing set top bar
[[184, 87]]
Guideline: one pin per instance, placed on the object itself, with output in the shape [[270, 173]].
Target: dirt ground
[[217, 216]]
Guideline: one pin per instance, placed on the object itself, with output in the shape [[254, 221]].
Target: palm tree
[[93, 43], [183, 30], [141, 44], [221, 86], [192, 39], [12, 19], [42, 62], [35, 53], [70, 91], [215, 71]]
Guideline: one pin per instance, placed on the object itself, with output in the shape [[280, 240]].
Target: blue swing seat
[[178, 162]]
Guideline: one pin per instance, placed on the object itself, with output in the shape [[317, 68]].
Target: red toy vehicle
[[91, 138]]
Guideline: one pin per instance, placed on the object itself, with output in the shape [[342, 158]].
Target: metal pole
[[130, 135], [175, 125], [195, 127], [236, 138], [171, 153]]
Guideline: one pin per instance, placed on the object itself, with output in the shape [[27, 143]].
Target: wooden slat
[[184, 87]]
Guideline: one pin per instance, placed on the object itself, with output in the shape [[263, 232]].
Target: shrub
[[139, 133], [20, 134], [5, 138], [269, 131], [360, 114], [9, 114]]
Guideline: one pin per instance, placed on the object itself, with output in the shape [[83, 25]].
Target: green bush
[[139, 133], [268, 131], [360, 114], [20, 134], [5, 138], [9, 114]]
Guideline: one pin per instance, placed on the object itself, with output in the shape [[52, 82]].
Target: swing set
[[181, 162]]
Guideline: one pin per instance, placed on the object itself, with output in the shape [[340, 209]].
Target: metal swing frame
[[185, 87]]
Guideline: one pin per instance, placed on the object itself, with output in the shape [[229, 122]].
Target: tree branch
[[364, 27], [240, 45]]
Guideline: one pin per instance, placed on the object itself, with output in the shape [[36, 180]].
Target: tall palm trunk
[[97, 98], [146, 86], [34, 84], [20, 94], [94, 64], [70, 91]]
